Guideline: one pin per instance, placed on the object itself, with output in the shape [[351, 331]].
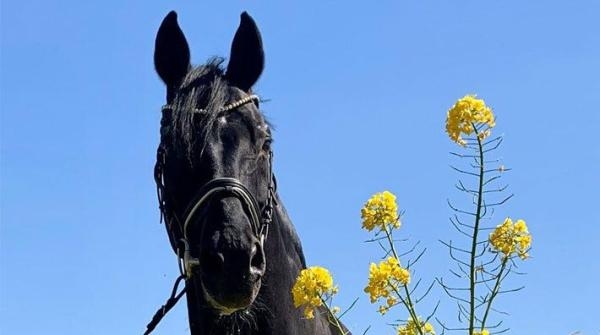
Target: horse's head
[[214, 165]]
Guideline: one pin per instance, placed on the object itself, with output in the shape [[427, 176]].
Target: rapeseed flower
[[312, 287], [384, 280], [380, 210], [509, 238], [412, 328], [483, 332], [465, 113]]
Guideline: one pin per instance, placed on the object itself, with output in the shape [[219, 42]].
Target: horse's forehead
[[247, 113], [254, 119], [250, 108]]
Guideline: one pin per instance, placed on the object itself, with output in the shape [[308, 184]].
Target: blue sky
[[358, 93]]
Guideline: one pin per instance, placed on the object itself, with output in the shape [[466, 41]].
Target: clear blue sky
[[358, 93]]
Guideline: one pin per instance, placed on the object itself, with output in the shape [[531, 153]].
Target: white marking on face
[[223, 120]]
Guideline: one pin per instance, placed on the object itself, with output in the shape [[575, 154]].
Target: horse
[[238, 250]]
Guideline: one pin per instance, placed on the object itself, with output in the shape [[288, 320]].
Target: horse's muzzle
[[231, 279]]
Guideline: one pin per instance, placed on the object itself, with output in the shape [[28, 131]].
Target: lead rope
[[174, 298], [164, 309]]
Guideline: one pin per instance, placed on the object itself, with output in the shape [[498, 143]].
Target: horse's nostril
[[257, 260]]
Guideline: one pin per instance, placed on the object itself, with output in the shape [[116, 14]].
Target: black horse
[[239, 252]]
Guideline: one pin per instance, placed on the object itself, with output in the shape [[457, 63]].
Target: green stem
[[390, 242], [475, 232], [408, 303], [494, 292], [333, 319], [412, 307], [409, 307]]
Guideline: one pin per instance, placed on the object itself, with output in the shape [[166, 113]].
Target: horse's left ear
[[247, 58]]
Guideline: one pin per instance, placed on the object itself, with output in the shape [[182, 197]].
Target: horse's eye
[[267, 144]]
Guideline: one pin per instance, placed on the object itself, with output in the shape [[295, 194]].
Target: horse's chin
[[229, 305]]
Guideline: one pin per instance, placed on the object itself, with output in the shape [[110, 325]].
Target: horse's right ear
[[171, 53]]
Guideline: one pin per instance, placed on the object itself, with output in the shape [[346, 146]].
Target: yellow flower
[[520, 226], [379, 210], [509, 238], [483, 332], [412, 328], [428, 328], [405, 330], [384, 279], [465, 113], [383, 309], [312, 286]]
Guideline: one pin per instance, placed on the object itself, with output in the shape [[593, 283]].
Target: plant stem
[[390, 242], [409, 307], [408, 303], [475, 233], [333, 319], [494, 291]]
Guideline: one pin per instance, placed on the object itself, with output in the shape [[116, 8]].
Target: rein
[[177, 230]]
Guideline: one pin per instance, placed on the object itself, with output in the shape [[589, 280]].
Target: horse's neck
[[273, 310]]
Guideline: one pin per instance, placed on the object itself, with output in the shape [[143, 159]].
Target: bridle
[[177, 230]]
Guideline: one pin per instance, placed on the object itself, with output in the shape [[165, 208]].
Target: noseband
[[260, 218]]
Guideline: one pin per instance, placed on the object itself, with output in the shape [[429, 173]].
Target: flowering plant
[[313, 286], [487, 263], [481, 269], [389, 281]]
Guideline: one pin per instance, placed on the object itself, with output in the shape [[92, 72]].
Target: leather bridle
[[260, 218], [177, 230]]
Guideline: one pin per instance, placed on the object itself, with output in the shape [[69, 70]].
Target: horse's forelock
[[203, 84]]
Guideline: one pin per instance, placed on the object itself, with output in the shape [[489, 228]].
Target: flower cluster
[[509, 238], [412, 328], [483, 332], [379, 210], [465, 113], [312, 287], [384, 279]]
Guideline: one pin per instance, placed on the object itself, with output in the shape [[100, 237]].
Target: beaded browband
[[228, 107]]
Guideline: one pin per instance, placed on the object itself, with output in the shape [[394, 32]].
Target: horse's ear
[[171, 52], [247, 57]]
